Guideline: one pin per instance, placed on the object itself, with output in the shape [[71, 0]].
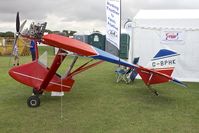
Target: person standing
[[32, 49], [33, 54]]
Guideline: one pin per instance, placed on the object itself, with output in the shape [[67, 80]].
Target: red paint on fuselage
[[155, 76], [33, 74]]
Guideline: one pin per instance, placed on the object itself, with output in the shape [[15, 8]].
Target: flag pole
[[120, 31]]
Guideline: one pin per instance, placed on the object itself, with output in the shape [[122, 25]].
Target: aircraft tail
[[164, 62], [160, 68]]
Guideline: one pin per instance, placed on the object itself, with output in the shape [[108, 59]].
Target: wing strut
[[71, 66], [55, 65], [83, 68]]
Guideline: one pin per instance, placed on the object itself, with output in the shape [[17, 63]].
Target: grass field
[[97, 104]]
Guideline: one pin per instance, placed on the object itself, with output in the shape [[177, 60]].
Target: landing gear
[[33, 101], [153, 91], [37, 92]]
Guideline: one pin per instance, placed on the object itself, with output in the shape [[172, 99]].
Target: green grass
[[97, 104]]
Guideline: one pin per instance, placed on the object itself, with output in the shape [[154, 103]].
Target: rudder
[[164, 61], [160, 68]]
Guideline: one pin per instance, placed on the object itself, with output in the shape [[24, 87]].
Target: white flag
[[113, 22]]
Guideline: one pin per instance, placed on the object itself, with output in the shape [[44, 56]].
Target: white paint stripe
[[28, 76], [164, 68]]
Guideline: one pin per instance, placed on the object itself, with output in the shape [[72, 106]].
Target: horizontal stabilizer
[[150, 76], [153, 77]]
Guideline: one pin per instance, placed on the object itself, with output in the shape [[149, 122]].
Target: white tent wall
[[146, 42]]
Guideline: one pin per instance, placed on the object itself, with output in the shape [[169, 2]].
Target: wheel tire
[[33, 101]]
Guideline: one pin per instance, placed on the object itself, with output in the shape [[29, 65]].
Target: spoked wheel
[[33, 101]]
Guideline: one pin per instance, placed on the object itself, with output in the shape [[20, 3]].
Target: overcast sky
[[79, 15]]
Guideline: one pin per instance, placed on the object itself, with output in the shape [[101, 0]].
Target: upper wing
[[69, 44], [82, 49], [149, 76]]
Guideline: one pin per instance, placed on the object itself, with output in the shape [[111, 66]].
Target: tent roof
[[168, 14], [178, 19]]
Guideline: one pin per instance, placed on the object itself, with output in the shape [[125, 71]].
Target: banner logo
[[170, 37]]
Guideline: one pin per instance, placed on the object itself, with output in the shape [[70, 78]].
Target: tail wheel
[[33, 101]]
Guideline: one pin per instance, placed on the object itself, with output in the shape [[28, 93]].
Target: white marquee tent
[[177, 30]]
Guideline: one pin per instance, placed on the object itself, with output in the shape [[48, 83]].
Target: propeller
[[19, 28], [17, 23], [22, 25], [17, 32]]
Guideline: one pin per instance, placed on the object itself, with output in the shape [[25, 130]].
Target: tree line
[[63, 33]]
